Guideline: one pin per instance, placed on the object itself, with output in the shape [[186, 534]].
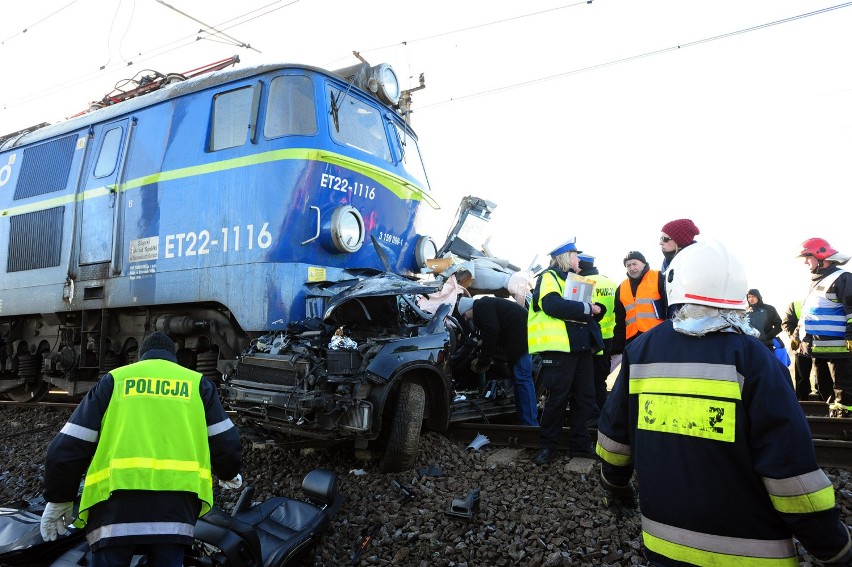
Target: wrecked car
[[378, 367]]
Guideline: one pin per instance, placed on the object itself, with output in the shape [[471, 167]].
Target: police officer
[[145, 436], [604, 294], [563, 332], [825, 330], [722, 451]]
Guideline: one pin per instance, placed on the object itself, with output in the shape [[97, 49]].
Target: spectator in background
[[781, 352], [674, 237], [503, 323], [803, 364], [640, 303], [763, 317]]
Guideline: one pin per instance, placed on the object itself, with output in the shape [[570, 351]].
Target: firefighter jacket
[[558, 324], [149, 435], [826, 322], [722, 452], [640, 305]]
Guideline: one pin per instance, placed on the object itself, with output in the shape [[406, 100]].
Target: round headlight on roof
[[384, 83]]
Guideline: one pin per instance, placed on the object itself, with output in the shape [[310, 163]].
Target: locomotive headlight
[[345, 231], [424, 250], [384, 83]]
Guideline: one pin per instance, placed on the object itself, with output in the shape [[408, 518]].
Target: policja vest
[[546, 333], [605, 295], [153, 436], [640, 312]]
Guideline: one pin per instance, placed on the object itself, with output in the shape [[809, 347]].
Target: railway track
[[832, 436]]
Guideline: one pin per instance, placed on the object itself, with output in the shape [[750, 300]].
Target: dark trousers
[[803, 366], [601, 364], [158, 555], [569, 375], [841, 373]]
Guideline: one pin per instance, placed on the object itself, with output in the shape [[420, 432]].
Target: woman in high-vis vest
[[564, 333], [148, 438], [640, 303]]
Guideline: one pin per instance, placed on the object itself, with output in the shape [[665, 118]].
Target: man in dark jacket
[[764, 318], [502, 323], [146, 437]]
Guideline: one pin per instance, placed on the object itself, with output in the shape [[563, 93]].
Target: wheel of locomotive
[[404, 435], [35, 389], [34, 392]]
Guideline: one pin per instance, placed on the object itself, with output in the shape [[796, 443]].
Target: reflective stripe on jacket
[[170, 453], [546, 333], [824, 318], [640, 312], [722, 453]]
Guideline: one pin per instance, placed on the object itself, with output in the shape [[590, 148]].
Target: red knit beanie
[[682, 231]]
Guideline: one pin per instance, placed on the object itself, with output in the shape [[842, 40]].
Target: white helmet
[[705, 273]]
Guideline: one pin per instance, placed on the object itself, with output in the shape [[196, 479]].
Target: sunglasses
[[664, 239]]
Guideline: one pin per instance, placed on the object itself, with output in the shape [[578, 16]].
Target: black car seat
[[287, 527]]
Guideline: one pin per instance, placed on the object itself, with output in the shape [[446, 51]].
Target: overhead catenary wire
[[468, 28], [31, 26], [596, 66], [164, 49]]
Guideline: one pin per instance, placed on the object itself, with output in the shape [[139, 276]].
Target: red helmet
[[819, 248]]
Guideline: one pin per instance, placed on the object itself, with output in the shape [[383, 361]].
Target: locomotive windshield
[[358, 125], [409, 151]]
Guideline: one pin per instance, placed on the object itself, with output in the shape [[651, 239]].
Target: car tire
[[404, 434]]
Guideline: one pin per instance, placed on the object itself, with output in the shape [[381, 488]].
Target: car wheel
[[404, 435]]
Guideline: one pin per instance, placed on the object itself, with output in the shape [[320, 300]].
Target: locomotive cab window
[[290, 109], [108, 156], [232, 119], [409, 155], [358, 125]]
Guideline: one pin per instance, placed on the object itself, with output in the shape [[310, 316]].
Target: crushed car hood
[[341, 307]]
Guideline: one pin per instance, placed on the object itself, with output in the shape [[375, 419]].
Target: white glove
[[232, 484], [55, 518]]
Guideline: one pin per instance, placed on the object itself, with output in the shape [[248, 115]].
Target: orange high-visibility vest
[[640, 313]]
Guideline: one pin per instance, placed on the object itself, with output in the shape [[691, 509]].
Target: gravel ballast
[[527, 515]]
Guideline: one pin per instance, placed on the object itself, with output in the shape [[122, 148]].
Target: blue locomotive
[[209, 208], [266, 219]]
